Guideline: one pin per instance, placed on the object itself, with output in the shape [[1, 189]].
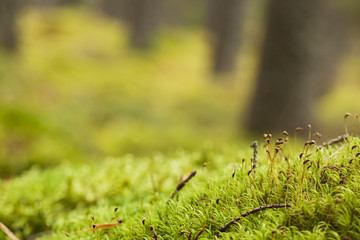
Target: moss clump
[[319, 187]]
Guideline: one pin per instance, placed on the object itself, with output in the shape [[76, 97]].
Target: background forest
[[85, 79], [81, 80]]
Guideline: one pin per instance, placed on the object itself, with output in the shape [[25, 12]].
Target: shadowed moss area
[[319, 186]]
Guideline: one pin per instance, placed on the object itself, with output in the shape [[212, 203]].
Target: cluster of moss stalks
[[282, 195], [279, 193], [313, 195]]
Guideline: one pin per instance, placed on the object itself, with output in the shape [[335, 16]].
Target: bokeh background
[[80, 80]]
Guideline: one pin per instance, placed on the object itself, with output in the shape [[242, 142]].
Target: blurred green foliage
[[75, 91]]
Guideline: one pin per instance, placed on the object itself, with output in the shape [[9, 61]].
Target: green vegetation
[[321, 188], [77, 93], [118, 101], [72, 96]]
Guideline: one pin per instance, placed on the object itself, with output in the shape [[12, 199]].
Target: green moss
[[324, 205]]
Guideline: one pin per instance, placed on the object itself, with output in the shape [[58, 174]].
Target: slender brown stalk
[[309, 136], [108, 225], [254, 145], [101, 226], [255, 210], [199, 233], [7, 231], [253, 182], [155, 234], [182, 183]]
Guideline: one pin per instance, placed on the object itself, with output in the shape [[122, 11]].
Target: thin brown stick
[[338, 139], [108, 225], [199, 233], [101, 226], [155, 234], [254, 145], [190, 236], [8, 232], [255, 210], [182, 183]]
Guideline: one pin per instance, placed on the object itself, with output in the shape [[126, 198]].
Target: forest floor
[[308, 193], [73, 96]]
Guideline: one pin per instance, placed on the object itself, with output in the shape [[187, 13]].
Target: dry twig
[[338, 139], [199, 233], [155, 234], [254, 145], [255, 210], [182, 183], [100, 226], [8, 232]]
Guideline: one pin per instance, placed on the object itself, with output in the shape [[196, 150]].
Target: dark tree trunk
[[303, 45], [225, 21], [117, 8], [144, 20], [8, 32], [68, 2]]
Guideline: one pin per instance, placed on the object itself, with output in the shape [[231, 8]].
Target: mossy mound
[[319, 185]]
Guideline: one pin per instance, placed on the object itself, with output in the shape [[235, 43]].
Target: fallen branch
[[255, 210], [338, 139], [8, 232], [182, 183]]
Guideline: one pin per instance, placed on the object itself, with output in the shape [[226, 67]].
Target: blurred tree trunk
[[144, 19], [120, 9], [225, 19], [68, 2], [8, 34], [117, 8], [303, 45]]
